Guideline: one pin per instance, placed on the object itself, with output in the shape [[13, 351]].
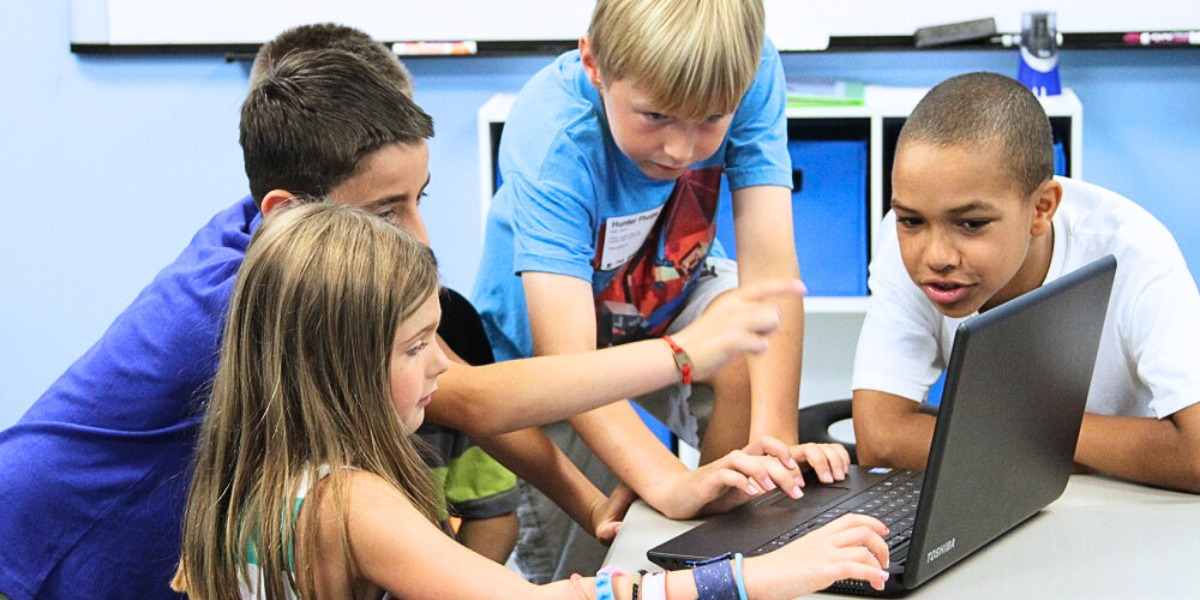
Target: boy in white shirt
[[978, 219]]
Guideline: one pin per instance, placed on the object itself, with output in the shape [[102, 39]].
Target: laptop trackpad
[[813, 497]]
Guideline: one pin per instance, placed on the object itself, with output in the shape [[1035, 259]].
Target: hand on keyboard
[[829, 461], [850, 547], [734, 479]]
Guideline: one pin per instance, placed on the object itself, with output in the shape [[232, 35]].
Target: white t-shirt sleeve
[[898, 350], [1164, 326]]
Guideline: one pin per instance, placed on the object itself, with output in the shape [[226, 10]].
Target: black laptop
[[1016, 386]]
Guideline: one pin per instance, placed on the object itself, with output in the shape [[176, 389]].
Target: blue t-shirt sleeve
[[553, 221], [757, 151]]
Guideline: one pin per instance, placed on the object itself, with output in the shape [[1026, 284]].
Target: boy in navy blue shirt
[[95, 472]]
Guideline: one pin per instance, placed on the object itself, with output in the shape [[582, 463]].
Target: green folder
[[823, 92]]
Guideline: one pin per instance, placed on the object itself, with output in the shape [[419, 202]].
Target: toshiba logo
[[940, 550]]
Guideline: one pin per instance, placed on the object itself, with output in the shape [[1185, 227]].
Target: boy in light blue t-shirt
[[612, 162]]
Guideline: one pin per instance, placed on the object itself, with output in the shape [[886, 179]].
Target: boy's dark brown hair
[[330, 36], [316, 115], [987, 108]]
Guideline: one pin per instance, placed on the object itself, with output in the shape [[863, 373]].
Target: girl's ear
[[276, 199], [590, 66], [1046, 199]]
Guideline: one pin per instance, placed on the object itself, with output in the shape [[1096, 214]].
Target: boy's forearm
[[493, 538], [535, 458], [627, 447], [906, 446], [775, 378], [890, 432], [562, 320], [766, 248], [1147, 450]]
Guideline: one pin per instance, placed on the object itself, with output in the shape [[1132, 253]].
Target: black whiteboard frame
[[873, 43]]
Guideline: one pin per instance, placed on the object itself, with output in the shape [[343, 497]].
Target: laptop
[[1016, 386]]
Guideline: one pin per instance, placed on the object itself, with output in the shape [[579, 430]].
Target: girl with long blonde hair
[[306, 482]]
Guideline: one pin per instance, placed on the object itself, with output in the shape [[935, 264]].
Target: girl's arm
[[512, 395], [393, 547]]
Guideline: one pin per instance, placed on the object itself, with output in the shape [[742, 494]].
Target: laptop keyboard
[[893, 501]]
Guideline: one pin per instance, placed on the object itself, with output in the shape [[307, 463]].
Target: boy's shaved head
[[979, 109], [330, 36], [308, 125]]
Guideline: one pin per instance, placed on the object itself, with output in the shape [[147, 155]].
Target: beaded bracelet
[[637, 583]]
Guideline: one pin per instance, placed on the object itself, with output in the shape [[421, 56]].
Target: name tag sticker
[[624, 235]]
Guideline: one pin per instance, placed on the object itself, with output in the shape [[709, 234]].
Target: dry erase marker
[[434, 48], [1162, 38]]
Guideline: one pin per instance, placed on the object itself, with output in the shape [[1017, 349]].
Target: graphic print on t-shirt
[[640, 297]]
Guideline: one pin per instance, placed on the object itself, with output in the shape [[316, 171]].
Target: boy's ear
[[1046, 199], [276, 199], [589, 63]]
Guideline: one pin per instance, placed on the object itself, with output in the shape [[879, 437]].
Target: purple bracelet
[[715, 580]]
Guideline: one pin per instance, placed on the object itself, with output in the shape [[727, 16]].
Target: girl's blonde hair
[[694, 58], [302, 382]]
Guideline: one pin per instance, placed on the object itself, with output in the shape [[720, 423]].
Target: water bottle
[[1039, 53]]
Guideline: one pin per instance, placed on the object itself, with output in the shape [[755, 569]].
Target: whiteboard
[[792, 24]]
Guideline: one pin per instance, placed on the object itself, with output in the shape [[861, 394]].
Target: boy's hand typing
[[732, 480], [741, 475], [829, 461]]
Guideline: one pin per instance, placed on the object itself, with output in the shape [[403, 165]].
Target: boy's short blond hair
[[694, 58]]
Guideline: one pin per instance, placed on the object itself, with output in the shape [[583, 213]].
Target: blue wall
[[110, 163]]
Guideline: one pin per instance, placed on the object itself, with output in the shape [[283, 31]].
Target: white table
[[1102, 539]]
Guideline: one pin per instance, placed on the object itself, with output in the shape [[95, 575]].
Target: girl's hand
[[735, 323], [608, 513], [850, 547]]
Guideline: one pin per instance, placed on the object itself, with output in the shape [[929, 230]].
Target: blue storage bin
[[935, 391], [659, 430], [1060, 158], [829, 215]]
